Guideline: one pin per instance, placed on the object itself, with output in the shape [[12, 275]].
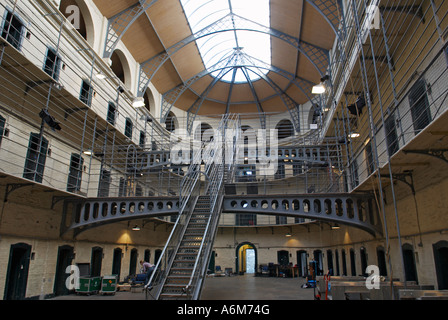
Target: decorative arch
[[149, 99], [318, 57], [240, 254], [120, 67], [171, 123], [86, 25], [285, 129]]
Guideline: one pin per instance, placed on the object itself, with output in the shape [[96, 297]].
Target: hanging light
[[354, 135], [136, 228], [288, 234], [320, 88], [335, 227], [100, 76], [138, 103]]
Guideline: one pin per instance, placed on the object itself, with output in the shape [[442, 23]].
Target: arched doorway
[[441, 261], [409, 263], [116, 262], [246, 258], [96, 261], [318, 258], [133, 262], [302, 263], [381, 255], [17, 272], [65, 258]]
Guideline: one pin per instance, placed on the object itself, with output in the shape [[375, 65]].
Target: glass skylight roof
[[232, 46]]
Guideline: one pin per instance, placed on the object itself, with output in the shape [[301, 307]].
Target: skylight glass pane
[[220, 45]]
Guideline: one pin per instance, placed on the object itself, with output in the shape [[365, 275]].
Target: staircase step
[[166, 296]]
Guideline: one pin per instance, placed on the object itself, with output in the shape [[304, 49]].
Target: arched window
[[120, 67], [117, 66], [203, 132], [285, 129], [77, 13], [149, 99], [171, 122]]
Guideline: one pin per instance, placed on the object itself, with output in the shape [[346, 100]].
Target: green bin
[[109, 284], [89, 285]]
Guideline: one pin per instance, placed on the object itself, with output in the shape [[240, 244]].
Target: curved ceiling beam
[[194, 109], [318, 57], [256, 99], [170, 98], [331, 13], [289, 103], [120, 23]]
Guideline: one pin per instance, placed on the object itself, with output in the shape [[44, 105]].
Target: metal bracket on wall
[[437, 153], [403, 178], [11, 187]]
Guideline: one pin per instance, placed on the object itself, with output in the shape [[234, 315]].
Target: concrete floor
[[247, 287]]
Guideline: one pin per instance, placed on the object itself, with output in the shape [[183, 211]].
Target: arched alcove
[[85, 25], [241, 256], [149, 99], [285, 129], [120, 67], [171, 123], [203, 132]]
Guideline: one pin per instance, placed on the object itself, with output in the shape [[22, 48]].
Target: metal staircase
[[182, 267], [177, 284]]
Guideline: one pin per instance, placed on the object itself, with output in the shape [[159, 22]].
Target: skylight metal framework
[[239, 60], [120, 23], [318, 57]]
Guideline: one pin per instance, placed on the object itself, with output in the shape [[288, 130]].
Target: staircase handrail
[[215, 171]]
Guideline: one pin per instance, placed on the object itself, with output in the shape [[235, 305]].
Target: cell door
[[409, 263], [302, 263], [17, 274], [441, 262], [65, 257], [283, 257], [116, 264], [96, 261]]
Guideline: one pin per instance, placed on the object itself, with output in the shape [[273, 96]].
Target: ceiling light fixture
[[100, 76], [136, 228], [320, 88], [138, 103]]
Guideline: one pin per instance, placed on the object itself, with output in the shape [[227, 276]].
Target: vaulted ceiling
[[160, 38]]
